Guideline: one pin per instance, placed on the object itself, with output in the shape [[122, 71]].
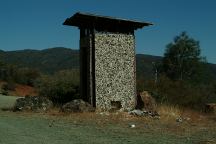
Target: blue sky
[[37, 24]]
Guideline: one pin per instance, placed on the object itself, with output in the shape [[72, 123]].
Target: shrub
[[61, 87], [179, 92], [6, 87], [9, 86], [27, 76]]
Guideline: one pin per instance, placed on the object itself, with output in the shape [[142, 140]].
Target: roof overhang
[[103, 23]]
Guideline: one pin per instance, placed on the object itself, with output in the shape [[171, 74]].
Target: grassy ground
[[91, 128]]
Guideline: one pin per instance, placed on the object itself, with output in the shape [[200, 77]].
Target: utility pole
[[155, 72]]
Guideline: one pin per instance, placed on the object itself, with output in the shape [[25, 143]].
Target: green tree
[[182, 59]]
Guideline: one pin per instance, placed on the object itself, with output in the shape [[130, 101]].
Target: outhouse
[[107, 60]]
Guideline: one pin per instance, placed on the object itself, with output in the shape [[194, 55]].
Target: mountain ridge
[[59, 58]]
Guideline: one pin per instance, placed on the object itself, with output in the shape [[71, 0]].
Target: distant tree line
[[11, 73]]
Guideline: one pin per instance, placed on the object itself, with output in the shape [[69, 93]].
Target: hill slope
[[48, 60], [144, 65], [59, 58]]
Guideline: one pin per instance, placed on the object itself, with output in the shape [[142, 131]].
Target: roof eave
[[90, 20]]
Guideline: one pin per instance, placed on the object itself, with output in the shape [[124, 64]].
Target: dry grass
[[169, 113]]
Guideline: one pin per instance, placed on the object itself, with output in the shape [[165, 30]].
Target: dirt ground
[[19, 128], [107, 128]]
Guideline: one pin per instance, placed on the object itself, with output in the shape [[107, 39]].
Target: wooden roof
[[104, 23]]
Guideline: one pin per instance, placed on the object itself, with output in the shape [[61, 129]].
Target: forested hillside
[[54, 59], [47, 61]]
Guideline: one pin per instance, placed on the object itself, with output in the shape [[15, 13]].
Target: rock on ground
[[138, 112], [32, 103], [77, 105], [146, 102]]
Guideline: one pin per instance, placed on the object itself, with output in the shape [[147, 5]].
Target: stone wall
[[115, 70]]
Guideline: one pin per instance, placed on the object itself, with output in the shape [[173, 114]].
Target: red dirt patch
[[24, 90]]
